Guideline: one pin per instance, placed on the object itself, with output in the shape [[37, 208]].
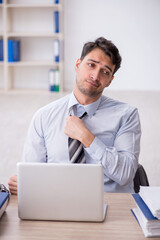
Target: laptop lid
[[66, 192]]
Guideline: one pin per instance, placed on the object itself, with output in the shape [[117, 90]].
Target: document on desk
[[151, 196], [148, 222], [150, 228], [4, 199], [143, 207]]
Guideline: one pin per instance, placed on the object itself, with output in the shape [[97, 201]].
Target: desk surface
[[119, 224]]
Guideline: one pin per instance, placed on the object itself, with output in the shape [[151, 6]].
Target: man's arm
[[34, 147], [120, 161]]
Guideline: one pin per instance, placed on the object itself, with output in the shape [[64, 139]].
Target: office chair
[[140, 178]]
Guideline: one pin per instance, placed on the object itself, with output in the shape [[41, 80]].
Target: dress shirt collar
[[89, 108]]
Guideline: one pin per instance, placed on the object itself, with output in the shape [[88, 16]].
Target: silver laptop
[[65, 192]]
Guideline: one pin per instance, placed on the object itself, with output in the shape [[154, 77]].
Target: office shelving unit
[[1, 37], [31, 22]]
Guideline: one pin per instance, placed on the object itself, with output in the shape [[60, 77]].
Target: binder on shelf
[[56, 1], [57, 80], [56, 21], [51, 79], [56, 50], [54, 80], [1, 49], [13, 51], [1, 1]]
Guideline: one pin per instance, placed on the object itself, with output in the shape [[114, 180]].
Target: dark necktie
[[76, 152]]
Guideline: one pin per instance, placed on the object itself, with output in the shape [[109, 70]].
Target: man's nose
[[95, 75]]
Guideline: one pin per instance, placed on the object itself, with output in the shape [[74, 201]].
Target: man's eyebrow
[[99, 62]]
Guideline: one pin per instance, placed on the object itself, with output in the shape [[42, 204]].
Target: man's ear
[[77, 64], [110, 81]]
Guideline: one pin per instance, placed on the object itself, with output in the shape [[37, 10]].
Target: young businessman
[[110, 131]]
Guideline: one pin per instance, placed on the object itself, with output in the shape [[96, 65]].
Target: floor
[[18, 107]]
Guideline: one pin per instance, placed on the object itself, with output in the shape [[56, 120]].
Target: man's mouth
[[93, 83]]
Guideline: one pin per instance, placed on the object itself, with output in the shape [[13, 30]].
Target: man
[[110, 132]]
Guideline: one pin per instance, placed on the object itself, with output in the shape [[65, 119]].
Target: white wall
[[134, 27]]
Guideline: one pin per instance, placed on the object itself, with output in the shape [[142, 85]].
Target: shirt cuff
[[96, 150]]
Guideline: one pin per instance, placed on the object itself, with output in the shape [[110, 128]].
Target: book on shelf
[[13, 50], [1, 49], [56, 50], [145, 214], [54, 80], [56, 21], [4, 199]]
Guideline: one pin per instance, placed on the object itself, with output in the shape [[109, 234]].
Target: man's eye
[[90, 64], [106, 72]]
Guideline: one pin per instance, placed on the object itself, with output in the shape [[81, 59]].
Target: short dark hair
[[107, 47]]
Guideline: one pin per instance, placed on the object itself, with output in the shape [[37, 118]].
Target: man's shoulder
[[110, 103], [58, 103], [53, 107]]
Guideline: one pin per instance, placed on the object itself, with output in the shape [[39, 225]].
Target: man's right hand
[[76, 129], [13, 185]]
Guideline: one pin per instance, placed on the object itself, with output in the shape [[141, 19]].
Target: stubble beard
[[92, 93]]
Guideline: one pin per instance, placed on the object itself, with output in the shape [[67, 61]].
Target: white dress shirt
[[116, 146]]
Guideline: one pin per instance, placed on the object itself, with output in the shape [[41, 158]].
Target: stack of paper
[[151, 196], [147, 212]]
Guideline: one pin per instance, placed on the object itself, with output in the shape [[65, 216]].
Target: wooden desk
[[119, 224]]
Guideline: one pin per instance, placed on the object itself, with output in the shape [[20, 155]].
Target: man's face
[[94, 73]]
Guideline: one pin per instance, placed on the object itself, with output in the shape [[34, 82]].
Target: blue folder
[[1, 50], [3, 197], [56, 21], [13, 51], [144, 208]]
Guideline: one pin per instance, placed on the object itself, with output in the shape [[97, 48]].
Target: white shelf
[[35, 34], [54, 6], [33, 63], [31, 22]]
